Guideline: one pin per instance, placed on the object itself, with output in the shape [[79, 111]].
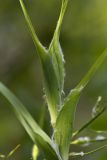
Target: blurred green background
[[83, 38]]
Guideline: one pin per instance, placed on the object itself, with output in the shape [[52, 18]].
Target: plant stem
[[89, 122]]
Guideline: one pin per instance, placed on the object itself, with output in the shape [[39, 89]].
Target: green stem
[[95, 150], [89, 122], [87, 153]]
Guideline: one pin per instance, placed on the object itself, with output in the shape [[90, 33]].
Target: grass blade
[[50, 79], [92, 70], [65, 120], [64, 124], [55, 50], [40, 48], [51, 87], [35, 132], [59, 23]]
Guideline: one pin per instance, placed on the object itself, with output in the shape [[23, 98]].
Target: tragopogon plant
[[62, 111]]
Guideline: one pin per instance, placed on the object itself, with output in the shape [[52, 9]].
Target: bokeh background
[[83, 38]]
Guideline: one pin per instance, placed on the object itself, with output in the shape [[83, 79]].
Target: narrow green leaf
[[54, 70], [36, 133], [59, 23], [40, 48], [93, 69], [56, 51], [65, 120], [51, 86], [64, 123], [58, 64]]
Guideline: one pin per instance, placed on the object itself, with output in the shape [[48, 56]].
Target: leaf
[[51, 83], [52, 63], [55, 76], [40, 48], [51, 87], [93, 69], [56, 51], [35, 132], [65, 120], [64, 123]]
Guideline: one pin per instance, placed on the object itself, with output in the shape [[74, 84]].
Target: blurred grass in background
[[83, 38]]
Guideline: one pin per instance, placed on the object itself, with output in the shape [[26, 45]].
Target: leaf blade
[[55, 50], [93, 69], [40, 48], [50, 79], [32, 128], [63, 127], [69, 108]]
